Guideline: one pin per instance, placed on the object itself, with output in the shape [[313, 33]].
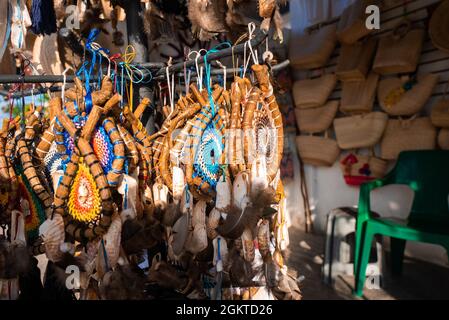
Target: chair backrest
[[427, 174]]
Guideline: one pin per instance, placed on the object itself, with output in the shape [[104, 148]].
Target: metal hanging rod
[[238, 49], [214, 73], [158, 75]]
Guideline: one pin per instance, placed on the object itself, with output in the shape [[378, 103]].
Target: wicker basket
[[395, 101], [313, 50], [443, 139], [404, 135], [358, 96], [358, 169], [317, 151], [360, 131], [399, 52], [440, 114], [313, 93], [316, 119], [355, 60], [438, 27], [352, 24]]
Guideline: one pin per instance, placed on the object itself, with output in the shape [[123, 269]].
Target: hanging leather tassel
[[43, 17]]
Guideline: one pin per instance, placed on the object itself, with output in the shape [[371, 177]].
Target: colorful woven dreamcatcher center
[[103, 148], [264, 133], [207, 158], [84, 199], [32, 207], [79, 122]]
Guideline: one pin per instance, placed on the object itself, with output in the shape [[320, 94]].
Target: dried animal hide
[[172, 278], [14, 259], [159, 25], [276, 19], [238, 16], [91, 20], [124, 283], [141, 234], [207, 18]]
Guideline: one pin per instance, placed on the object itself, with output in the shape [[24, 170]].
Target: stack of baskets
[[372, 71]]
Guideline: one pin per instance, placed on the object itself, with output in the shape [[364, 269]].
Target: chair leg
[[397, 247], [365, 250], [359, 231]]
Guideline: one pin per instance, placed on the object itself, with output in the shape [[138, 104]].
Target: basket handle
[[445, 90], [406, 123], [402, 28]]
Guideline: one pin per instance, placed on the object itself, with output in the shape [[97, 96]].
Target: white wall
[[327, 189]]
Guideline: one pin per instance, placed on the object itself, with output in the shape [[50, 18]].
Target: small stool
[[340, 246]]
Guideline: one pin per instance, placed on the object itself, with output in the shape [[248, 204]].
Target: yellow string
[[128, 57]]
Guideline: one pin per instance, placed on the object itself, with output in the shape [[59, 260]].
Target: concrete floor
[[420, 280]]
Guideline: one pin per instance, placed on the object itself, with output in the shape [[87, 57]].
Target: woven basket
[[358, 96], [398, 52], [313, 50], [440, 114], [439, 26], [443, 139], [352, 24], [46, 54], [404, 135], [4, 12], [316, 119], [360, 131], [355, 60], [313, 93], [358, 169], [317, 151], [411, 101]]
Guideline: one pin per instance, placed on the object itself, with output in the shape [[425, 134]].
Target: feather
[[237, 220], [240, 271], [272, 271]]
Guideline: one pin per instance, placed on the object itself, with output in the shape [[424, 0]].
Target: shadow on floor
[[420, 280]]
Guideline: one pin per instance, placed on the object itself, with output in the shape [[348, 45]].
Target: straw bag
[[352, 24], [438, 27], [5, 26], [440, 112], [402, 97], [313, 50], [316, 119], [317, 151], [358, 169], [360, 131], [443, 139], [403, 135], [313, 93], [399, 51], [355, 60], [358, 96]]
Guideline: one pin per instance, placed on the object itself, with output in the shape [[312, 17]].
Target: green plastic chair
[[427, 174]]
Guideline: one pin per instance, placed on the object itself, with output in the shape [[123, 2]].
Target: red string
[[114, 59], [11, 101]]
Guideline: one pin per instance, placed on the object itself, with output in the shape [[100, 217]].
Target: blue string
[[125, 204], [207, 68], [88, 68]]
